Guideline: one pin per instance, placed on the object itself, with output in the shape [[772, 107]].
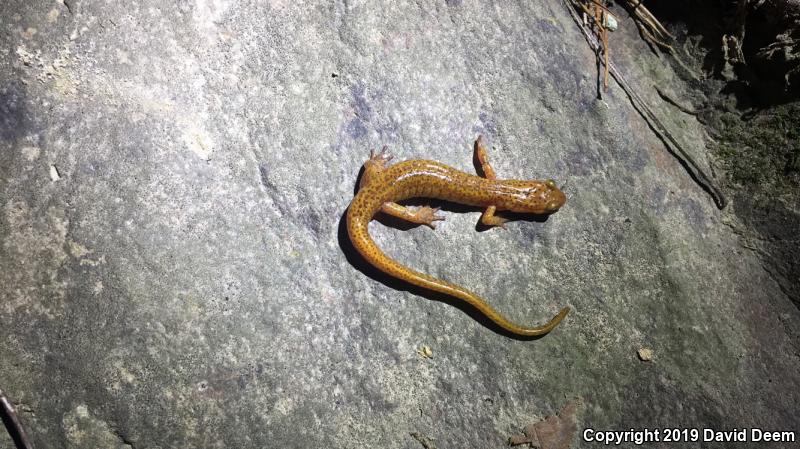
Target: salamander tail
[[357, 228]]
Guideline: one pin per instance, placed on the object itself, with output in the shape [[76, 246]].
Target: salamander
[[382, 186]]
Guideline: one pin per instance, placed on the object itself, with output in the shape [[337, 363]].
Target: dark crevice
[[770, 44]]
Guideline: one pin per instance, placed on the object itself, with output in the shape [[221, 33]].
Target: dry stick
[[601, 5], [655, 124], [597, 14], [605, 51], [650, 27], [664, 46], [645, 14], [11, 420], [599, 21], [604, 34]]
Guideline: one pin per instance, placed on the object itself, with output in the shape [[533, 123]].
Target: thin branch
[[13, 425]]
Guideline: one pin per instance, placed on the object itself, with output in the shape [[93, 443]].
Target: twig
[[652, 30], [599, 19], [645, 15], [647, 34], [599, 16], [655, 124], [11, 420]]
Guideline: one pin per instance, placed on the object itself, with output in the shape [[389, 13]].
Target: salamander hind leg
[[424, 215], [375, 165]]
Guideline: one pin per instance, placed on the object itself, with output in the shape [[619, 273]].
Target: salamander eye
[[550, 183]]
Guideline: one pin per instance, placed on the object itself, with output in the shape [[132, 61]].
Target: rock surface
[[186, 281]]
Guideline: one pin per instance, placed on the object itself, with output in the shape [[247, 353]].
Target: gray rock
[[188, 282]]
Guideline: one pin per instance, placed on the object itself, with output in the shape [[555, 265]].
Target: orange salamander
[[383, 185]]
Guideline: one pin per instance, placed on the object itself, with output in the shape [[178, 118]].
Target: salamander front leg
[[488, 218], [424, 215]]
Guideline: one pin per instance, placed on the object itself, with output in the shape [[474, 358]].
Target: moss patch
[[762, 153]]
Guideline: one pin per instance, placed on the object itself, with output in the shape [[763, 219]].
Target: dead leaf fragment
[[554, 432], [425, 351]]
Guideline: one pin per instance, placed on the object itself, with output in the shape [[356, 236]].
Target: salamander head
[[535, 197]]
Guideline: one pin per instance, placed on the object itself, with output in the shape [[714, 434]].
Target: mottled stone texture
[[187, 281]]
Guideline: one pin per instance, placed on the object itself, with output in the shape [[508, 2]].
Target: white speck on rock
[[199, 141], [31, 153], [54, 175]]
